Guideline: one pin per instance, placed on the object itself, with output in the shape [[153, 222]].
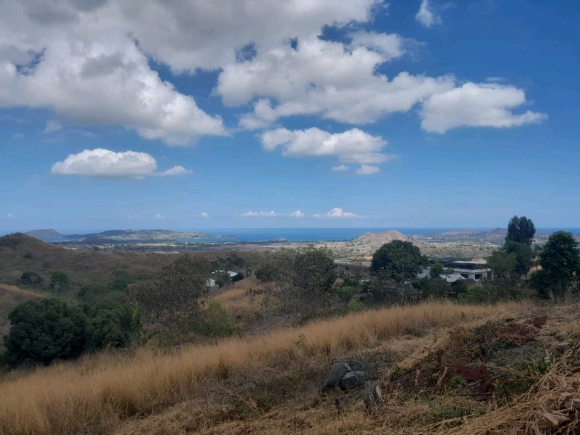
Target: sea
[[262, 235], [257, 235]]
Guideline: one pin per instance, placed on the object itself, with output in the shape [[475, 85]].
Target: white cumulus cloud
[[327, 79], [337, 213], [340, 168], [159, 217], [109, 164], [259, 214], [297, 214], [367, 170], [176, 170], [426, 15], [204, 215], [352, 146], [476, 105]]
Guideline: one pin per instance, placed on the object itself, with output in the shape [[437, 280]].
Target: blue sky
[[324, 113]]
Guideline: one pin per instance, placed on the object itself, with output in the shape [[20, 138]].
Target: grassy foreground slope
[[233, 383]]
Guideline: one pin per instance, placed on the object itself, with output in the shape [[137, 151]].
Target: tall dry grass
[[95, 394]]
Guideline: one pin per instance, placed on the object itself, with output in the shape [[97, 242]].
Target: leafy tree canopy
[[520, 230], [400, 261], [113, 325], [42, 331], [31, 279], [59, 282], [314, 270], [171, 298], [560, 262]]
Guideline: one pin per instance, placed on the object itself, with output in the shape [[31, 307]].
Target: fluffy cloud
[[176, 170], [84, 65], [259, 214], [426, 15], [340, 168], [352, 146], [204, 215], [367, 170], [476, 105], [88, 62], [297, 214], [327, 79], [159, 217], [109, 164], [337, 213]]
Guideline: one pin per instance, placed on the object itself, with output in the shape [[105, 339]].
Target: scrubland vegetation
[[95, 394], [161, 351]]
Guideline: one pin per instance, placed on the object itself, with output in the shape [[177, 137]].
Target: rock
[[347, 373], [352, 380], [338, 370]]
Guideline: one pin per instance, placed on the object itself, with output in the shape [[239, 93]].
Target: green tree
[[216, 320], [524, 256], [520, 230], [59, 282], [560, 262], [314, 270], [41, 331], [267, 272], [400, 261], [31, 279], [171, 299], [502, 264], [113, 325], [436, 270]]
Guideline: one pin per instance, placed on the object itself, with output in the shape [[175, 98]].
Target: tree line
[[299, 284]]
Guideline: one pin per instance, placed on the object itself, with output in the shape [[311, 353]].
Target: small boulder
[[352, 380], [338, 370], [347, 373]]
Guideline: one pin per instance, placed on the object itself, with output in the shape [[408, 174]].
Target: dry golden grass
[[97, 393], [238, 298]]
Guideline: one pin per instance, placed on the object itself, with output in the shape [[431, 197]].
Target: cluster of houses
[[468, 271], [233, 276]]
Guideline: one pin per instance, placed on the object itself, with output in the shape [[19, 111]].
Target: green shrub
[[346, 292], [216, 320], [31, 279], [355, 306], [42, 331], [122, 280], [59, 282], [113, 326]]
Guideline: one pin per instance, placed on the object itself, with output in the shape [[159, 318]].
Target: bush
[[113, 326], [42, 331], [31, 279], [59, 282], [347, 292], [91, 293], [216, 320], [121, 281], [353, 306], [267, 272]]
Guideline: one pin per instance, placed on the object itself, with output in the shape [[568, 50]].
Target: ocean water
[[257, 235], [326, 234]]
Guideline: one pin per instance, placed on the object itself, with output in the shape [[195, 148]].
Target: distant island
[[113, 236], [45, 234]]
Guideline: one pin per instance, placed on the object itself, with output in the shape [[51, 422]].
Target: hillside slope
[[21, 253]]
